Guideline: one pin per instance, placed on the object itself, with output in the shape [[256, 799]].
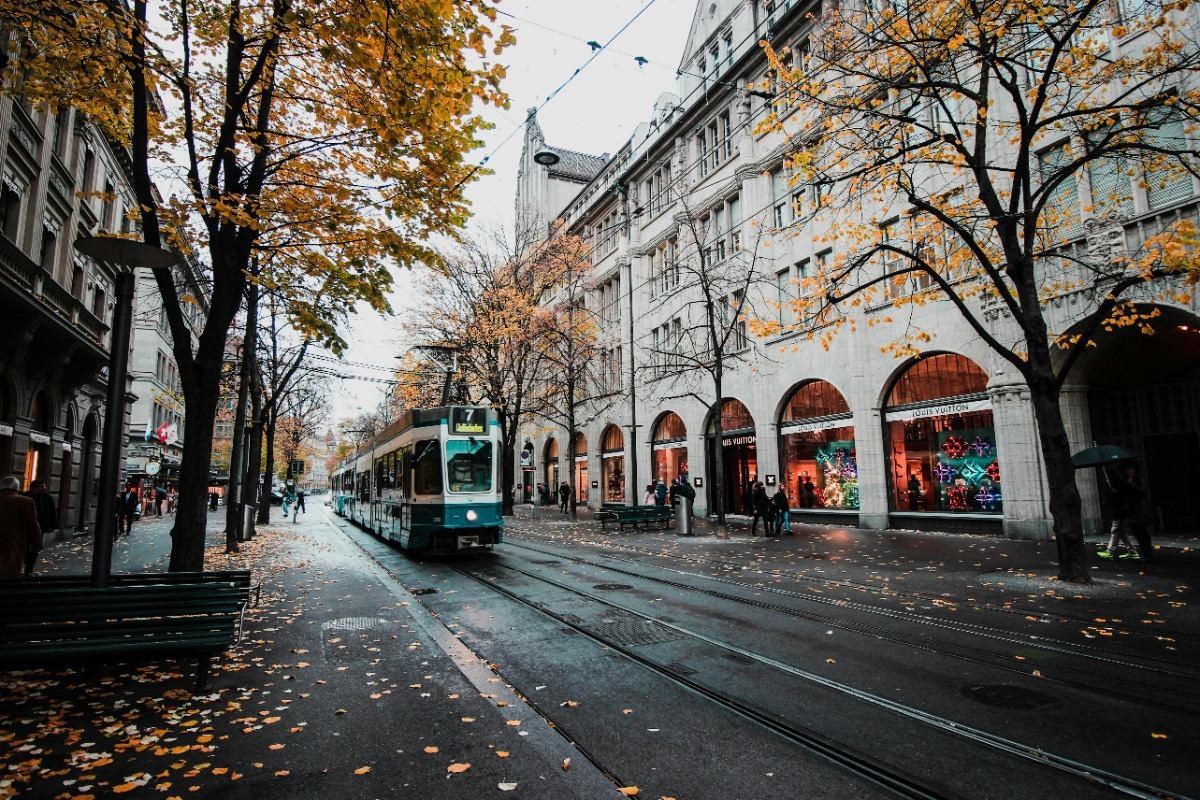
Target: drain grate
[[612, 587], [353, 624], [422, 591], [1012, 697], [632, 631]]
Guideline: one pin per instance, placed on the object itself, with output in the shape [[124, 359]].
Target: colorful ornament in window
[[993, 471], [982, 447], [944, 472], [955, 447], [957, 496], [973, 472], [987, 498]]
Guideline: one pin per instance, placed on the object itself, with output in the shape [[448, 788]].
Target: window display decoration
[[987, 498], [955, 447], [839, 465], [944, 472], [967, 472]]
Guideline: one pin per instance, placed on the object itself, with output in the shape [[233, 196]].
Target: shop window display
[[943, 450], [669, 443], [613, 457], [817, 449]]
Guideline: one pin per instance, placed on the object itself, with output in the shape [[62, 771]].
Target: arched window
[[612, 453], [944, 457], [670, 428], [612, 440], [817, 449], [734, 417], [669, 448]]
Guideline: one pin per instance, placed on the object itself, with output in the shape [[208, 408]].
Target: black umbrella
[[1100, 455]]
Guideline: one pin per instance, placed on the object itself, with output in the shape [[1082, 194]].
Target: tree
[[567, 334], [482, 308], [344, 123], [978, 126], [708, 288]]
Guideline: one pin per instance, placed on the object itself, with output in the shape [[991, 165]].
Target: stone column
[[871, 448], [1022, 474]]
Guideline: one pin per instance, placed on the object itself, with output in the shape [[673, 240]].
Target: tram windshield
[[469, 465]]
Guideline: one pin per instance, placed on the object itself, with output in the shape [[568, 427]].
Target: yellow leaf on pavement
[[362, 770], [458, 768]]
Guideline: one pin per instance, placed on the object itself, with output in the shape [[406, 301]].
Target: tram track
[[897, 781], [840, 583], [1099, 683]]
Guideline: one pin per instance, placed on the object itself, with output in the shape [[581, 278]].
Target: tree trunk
[[1066, 508], [252, 482], [233, 503], [191, 520], [718, 448], [264, 505], [508, 478]]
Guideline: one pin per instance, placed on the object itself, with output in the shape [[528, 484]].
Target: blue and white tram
[[430, 483]]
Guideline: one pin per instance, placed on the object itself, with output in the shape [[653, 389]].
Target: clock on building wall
[[152, 468]]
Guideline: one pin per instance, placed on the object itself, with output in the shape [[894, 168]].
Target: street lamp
[[123, 255]]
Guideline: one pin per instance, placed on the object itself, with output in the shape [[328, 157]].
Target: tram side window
[[469, 465], [427, 468]]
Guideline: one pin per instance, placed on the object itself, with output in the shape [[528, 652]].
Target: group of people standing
[[659, 494], [25, 518], [773, 510]]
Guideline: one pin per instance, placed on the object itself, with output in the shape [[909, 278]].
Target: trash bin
[[683, 516], [248, 520]]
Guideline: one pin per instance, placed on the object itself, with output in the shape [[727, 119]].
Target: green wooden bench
[[240, 577], [52, 621], [658, 516]]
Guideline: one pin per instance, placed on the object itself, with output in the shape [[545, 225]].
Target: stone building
[[56, 303], [858, 437]]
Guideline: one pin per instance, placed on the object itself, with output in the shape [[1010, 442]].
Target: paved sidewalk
[[344, 687]]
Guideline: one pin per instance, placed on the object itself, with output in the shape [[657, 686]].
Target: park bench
[[63, 620], [658, 516]]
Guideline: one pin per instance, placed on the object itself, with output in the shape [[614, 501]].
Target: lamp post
[[124, 255]]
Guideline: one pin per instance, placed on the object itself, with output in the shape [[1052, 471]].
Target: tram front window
[[469, 465]]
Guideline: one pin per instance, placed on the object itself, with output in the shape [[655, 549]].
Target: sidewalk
[[344, 686]]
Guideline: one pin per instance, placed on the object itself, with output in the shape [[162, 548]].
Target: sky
[[595, 112]]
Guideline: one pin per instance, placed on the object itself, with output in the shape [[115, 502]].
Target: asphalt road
[[575, 662]]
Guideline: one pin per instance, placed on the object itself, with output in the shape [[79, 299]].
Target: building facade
[[857, 436], [62, 180]]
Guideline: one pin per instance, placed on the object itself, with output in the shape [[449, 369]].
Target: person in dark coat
[[564, 496], [127, 503], [660, 493], [782, 520], [160, 496], [762, 509], [47, 516], [1125, 506], [19, 529]]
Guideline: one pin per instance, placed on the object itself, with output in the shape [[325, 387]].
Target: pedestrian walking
[[564, 497], [172, 501], [782, 512], [160, 497], [19, 529], [289, 498], [127, 509], [47, 517], [214, 500], [762, 506], [660, 493], [1125, 495], [648, 497], [300, 495]]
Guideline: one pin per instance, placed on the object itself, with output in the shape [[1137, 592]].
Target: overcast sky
[[596, 112]]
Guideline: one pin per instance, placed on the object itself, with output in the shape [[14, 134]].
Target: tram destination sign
[[468, 421], [940, 410]]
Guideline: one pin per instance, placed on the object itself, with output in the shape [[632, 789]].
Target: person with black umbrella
[[1127, 503]]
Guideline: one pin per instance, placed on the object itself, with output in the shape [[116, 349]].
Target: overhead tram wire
[[544, 103]]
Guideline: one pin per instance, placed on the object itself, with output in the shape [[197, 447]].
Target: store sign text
[[945, 410]]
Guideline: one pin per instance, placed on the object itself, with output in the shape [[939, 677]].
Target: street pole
[[633, 426], [123, 255]]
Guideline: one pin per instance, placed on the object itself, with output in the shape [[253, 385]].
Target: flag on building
[[162, 432]]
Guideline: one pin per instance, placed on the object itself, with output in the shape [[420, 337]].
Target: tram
[[429, 481]]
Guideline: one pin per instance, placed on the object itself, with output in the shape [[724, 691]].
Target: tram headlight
[[471, 515]]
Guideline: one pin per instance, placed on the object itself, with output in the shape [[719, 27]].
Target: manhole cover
[[632, 631], [1014, 697], [423, 591], [353, 624], [612, 587]]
